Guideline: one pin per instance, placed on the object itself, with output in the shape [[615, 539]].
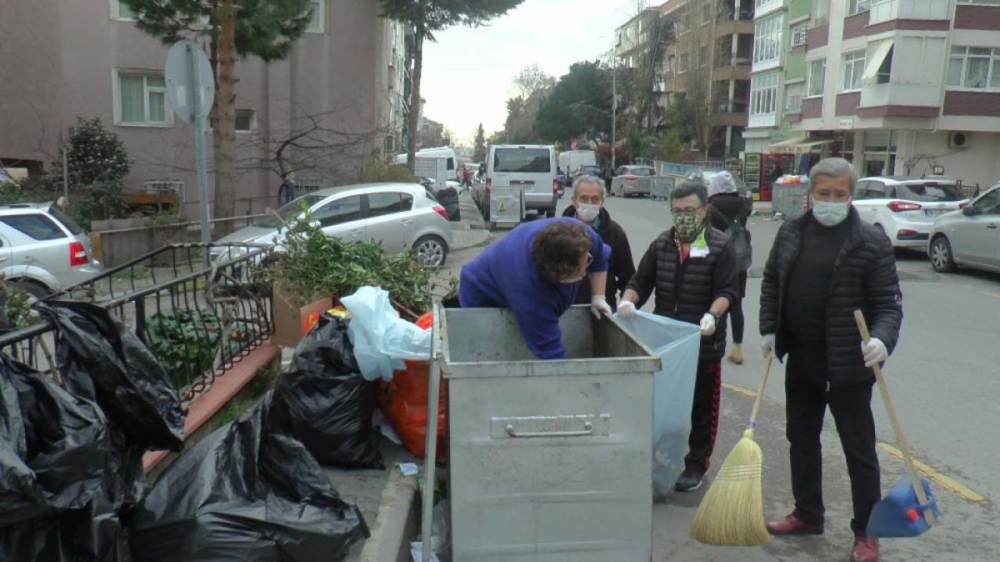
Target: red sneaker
[[865, 550], [792, 525]]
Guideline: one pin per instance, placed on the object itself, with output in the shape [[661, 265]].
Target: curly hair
[[558, 249]]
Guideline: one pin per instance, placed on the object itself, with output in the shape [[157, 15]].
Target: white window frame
[[253, 121], [168, 109], [682, 65], [794, 93], [318, 16], [764, 7], [853, 65], [116, 12], [799, 34], [992, 70], [767, 42], [764, 99], [812, 79], [855, 7]]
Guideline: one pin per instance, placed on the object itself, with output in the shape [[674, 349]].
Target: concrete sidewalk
[[966, 532], [471, 231]]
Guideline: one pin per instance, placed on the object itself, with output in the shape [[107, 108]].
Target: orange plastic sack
[[403, 401]]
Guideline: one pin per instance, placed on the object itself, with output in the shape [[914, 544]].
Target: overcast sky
[[468, 72]]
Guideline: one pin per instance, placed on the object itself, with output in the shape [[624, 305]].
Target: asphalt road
[[944, 381]]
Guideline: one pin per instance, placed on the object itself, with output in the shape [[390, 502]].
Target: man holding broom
[[823, 266]]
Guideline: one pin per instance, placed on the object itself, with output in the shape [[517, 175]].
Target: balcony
[[900, 100], [889, 10]]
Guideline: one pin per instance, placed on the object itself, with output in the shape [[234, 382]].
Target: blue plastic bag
[[677, 344], [382, 339]]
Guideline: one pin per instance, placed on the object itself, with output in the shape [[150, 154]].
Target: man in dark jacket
[[692, 268], [824, 265], [588, 206], [728, 213]]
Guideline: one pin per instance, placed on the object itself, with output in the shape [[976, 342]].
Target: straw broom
[[732, 511]]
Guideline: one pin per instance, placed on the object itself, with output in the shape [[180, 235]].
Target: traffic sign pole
[[199, 126]]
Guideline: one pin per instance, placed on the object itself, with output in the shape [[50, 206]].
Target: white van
[[531, 168], [572, 160], [439, 164]]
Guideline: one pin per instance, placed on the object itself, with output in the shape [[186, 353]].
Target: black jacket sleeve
[[883, 298], [644, 280], [769, 288], [724, 281], [624, 268]]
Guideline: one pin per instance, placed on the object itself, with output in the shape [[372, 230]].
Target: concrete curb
[[396, 524], [474, 239]]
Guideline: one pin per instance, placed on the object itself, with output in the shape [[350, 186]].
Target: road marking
[[956, 487], [990, 294]]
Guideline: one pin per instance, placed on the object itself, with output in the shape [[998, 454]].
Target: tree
[[446, 137], [428, 17], [479, 155], [578, 106], [93, 154], [532, 79], [261, 28]]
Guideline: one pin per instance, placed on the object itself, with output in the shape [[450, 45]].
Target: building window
[[763, 99], [820, 11], [793, 97], [799, 34], [703, 56], [857, 6], [318, 22], [706, 13], [120, 11], [854, 70], [885, 69], [684, 63], [764, 6], [246, 120], [142, 99], [972, 67], [767, 41], [817, 75]]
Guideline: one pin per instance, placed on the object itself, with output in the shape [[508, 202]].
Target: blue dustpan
[[900, 514]]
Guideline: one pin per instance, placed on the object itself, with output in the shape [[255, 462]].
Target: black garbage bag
[[448, 198], [100, 357], [245, 494], [323, 400]]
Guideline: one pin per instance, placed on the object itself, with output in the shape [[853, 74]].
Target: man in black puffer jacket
[[825, 265], [692, 269], [588, 206]]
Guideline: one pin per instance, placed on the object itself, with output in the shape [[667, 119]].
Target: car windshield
[[529, 160], [289, 212], [930, 193]]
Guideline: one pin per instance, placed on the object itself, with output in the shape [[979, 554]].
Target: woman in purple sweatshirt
[[535, 272]]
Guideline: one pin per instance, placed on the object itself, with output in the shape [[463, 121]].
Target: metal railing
[[198, 318]]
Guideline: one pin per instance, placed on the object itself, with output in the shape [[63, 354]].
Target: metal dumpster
[[790, 199], [549, 461], [506, 206]]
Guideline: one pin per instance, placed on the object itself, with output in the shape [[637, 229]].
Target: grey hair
[[833, 168], [585, 178]]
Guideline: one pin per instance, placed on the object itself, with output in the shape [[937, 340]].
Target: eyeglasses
[[685, 212]]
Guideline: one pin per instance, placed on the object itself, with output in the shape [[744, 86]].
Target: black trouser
[[736, 310], [807, 395], [704, 416]]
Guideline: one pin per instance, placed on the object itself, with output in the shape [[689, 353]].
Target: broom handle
[[896, 426], [760, 390]]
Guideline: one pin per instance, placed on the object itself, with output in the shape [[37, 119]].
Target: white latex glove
[[626, 309], [707, 324], [599, 305], [874, 352], [767, 346]]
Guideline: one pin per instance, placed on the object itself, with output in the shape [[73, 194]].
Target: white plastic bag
[[677, 344], [380, 337]]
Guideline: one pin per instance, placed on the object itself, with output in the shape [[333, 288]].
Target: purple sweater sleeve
[[600, 251]]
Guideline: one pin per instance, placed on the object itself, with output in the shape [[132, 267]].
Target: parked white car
[[969, 238], [633, 180], [399, 215], [905, 208]]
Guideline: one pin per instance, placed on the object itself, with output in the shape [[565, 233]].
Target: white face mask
[[572, 280], [829, 213], [587, 213]]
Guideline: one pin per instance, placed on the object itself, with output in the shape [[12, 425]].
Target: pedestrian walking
[[588, 207], [609, 176], [286, 191], [692, 270], [535, 271], [824, 265], [729, 214]]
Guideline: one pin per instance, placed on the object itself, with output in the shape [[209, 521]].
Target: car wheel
[[36, 290], [431, 251], [942, 259]]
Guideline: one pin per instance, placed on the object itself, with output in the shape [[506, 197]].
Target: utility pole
[[614, 101], [65, 169]]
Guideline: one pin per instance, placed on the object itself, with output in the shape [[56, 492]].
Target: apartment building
[[902, 87], [86, 58]]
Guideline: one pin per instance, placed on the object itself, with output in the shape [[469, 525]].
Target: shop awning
[[801, 144], [877, 57]]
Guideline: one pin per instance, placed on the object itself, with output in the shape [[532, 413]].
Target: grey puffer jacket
[[864, 277]]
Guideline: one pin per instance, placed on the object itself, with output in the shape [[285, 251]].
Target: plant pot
[[291, 321]]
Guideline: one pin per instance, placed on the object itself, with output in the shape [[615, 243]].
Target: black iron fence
[[198, 316]]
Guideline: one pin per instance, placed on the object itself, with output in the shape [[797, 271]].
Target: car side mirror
[[970, 211]]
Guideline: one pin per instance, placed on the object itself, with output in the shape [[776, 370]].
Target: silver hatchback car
[[42, 250], [399, 215], [633, 180], [970, 237]]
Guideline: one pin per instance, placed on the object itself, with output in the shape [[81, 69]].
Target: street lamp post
[[614, 101]]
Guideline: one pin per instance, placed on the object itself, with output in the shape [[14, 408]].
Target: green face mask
[[689, 223]]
